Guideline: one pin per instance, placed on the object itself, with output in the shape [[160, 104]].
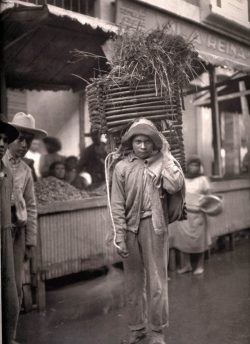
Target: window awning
[[224, 61], [37, 43]]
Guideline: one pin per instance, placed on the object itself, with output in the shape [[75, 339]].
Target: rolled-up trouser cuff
[[137, 327], [158, 328]]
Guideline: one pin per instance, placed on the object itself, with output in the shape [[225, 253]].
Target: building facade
[[220, 32]]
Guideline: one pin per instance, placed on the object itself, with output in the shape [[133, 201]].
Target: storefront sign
[[213, 47]]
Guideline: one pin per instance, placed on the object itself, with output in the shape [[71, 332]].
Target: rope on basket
[[109, 160]]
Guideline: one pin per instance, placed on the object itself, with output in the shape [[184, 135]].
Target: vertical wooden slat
[[74, 241], [40, 290], [245, 113], [215, 123], [3, 106], [97, 8], [86, 7], [82, 99]]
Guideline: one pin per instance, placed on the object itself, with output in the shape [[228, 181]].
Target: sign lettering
[[207, 42]]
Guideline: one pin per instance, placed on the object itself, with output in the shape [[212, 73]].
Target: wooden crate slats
[[113, 106]]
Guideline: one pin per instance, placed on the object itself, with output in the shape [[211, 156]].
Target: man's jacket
[[23, 183]]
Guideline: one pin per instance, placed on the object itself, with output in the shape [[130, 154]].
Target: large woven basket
[[114, 105]]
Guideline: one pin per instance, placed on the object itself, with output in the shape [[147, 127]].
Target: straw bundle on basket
[[148, 71]]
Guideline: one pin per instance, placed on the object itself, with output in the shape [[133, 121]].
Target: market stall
[[36, 55], [234, 217], [72, 233], [72, 238]]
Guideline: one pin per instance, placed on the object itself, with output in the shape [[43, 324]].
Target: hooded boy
[[10, 307], [141, 226]]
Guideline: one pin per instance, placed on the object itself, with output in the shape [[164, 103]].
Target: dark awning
[[37, 42]]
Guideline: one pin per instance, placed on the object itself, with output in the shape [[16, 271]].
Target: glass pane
[[235, 128]]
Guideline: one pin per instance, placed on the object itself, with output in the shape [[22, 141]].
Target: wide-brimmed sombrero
[[26, 122]]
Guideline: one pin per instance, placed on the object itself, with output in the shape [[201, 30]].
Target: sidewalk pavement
[[210, 309]]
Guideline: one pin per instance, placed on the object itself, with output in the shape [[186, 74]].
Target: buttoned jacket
[[128, 187], [22, 179]]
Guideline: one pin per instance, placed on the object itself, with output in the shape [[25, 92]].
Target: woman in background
[[34, 154], [52, 146], [71, 173], [57, 170], [92, 160], [191, 236]]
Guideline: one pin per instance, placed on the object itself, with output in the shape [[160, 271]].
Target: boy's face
[[21, 145], [142, 146], [4, 140]]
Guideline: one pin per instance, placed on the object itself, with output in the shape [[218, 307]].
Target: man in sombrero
[[23, 203]]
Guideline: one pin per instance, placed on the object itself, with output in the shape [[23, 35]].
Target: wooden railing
[[80, 6]]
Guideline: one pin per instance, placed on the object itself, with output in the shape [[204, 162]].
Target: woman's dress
[[191, 235]]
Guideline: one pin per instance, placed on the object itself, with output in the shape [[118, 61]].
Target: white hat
[[211, 205], [26, 122]]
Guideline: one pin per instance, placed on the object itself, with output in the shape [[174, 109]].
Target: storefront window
[[234, 122], [234, 144]]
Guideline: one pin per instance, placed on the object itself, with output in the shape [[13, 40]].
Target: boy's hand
[[122, 250], [109, 238]]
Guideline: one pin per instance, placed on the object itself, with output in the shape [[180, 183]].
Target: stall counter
[[72, 238], [236, 206], [72, 234]]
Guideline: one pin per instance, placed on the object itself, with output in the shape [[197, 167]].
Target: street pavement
[[90, 309]]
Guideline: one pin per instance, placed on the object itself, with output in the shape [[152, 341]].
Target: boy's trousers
[[146, 280]]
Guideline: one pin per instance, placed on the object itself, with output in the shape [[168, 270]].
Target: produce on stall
[[52, 189]]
